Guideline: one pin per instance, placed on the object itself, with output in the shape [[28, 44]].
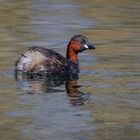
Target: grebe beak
[[89, 46]]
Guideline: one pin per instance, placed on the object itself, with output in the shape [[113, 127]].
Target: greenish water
[[104, 103]]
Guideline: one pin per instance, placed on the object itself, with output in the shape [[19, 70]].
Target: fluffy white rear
[[29, 60]]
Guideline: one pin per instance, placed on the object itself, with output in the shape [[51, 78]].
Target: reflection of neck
[[71, 87], [72, 91]]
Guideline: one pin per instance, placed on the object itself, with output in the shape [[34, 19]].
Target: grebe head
[[78, 43]]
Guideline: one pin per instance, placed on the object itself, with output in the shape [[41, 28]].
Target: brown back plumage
[[38, 59]]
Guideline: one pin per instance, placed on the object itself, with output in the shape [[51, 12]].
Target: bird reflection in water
[[76, 97], [52, 84]]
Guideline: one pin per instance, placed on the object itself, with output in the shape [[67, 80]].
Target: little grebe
[[42, 61]]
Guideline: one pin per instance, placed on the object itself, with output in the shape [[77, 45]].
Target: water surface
[[103, 103]]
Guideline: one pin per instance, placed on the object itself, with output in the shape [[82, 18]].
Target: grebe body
[[42, 61]]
